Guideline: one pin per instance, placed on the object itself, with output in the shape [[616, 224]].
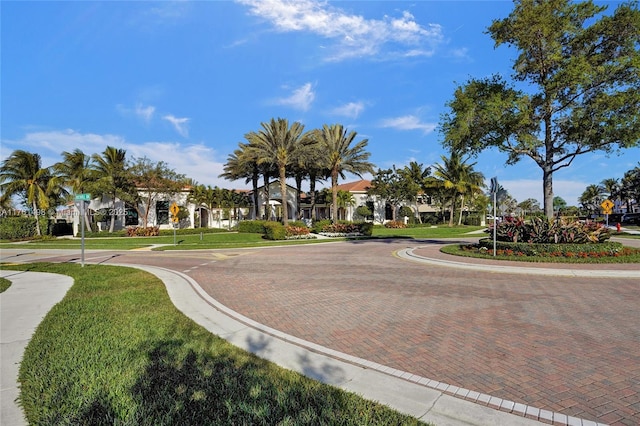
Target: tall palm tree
[[241, 164], [458, 178], [592, 197], [346, 200], [612, 187], [415, 176], [112, 178], [277, 143], [22, 174], [77, 174], [341, 157]]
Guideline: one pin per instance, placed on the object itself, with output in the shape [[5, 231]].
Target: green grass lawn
[[116, 351], [227, 239], [4, 284]]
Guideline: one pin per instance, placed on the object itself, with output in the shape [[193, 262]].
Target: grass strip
[[4, 284], [116, 351]]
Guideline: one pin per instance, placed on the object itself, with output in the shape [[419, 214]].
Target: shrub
[[319, 225], [396, 224], [18, 228], [543, 230], [274, 231], [551, 249], [149, 231], [293, 231], [252, 226]]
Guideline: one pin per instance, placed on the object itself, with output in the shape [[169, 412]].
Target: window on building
[[162, 212], [131, 216]]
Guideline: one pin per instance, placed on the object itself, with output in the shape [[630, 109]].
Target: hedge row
[[23, 227]]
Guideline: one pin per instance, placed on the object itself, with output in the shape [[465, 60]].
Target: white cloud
[[180, 124], [350, 109], [354, 36], [408, 122], [145, 112], [300, 99]]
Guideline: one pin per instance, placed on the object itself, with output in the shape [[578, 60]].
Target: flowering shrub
[[292, 231], [396, 224], [543, 230], [341, 228], [138, 231]]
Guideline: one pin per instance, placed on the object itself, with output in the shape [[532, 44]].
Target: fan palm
[[340, 157]]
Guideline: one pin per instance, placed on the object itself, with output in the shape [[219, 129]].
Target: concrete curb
[[410, 394]]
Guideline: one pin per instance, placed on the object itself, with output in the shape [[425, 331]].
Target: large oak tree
[[576, 88]]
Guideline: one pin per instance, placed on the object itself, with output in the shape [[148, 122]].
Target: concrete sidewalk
[[22, 308]]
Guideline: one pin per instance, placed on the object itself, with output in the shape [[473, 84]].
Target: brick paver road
[[569, 345]]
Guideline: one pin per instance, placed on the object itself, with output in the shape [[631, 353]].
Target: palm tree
[[22, 174], [345, 201], [241, 164], [458, 178], [592, 197], [112, 178], [612, 187], [77, 174], [277, 143], [415, 176], [341, 157]]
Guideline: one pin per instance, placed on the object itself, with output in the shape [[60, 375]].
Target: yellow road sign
[[174, 209], [607, 206]]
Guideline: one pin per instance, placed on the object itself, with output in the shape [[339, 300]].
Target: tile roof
[[357, 186]]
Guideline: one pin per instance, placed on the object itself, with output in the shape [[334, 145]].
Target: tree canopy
[[576, 88]]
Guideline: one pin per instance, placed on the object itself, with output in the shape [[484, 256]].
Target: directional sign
[[607, 205], [83, 197]]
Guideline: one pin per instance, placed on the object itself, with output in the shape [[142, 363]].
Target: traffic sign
[[83, 197], [174, 209], [607, 206]]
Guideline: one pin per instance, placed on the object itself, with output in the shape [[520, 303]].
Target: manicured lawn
[[4, 284], [228, 239], [116, 351]]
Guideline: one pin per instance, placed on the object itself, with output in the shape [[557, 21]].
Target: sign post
[[174, 209], [494, 192], [607, 206], [83, 198]]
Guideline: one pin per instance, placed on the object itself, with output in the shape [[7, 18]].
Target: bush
[[551, 249], [275, 231], [252, 226], [294, 231], [319, 225], [543, 230], [395, 224], [149, 231], [18, 228]]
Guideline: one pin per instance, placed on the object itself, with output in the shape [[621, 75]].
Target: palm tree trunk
[[283, 195], [312, 190], [334, 193], [452, 210], [461, 208], [35, 215], [112, 225]]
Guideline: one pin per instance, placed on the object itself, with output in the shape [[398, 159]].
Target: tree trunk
[[452, 210], [461, 208], [547, 190], [298, 199], [334, 193], [267, 207], [283, 195], [112, 225], [312, 190], [35, 214], [256, 196]]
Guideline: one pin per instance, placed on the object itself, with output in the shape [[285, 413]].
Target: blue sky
[[182, 82]]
